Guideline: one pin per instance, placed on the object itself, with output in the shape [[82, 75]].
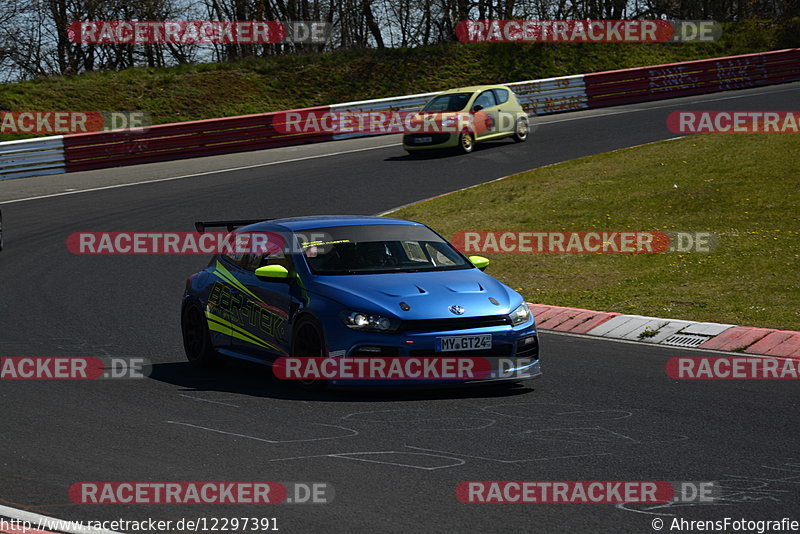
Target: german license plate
[[453, 343]]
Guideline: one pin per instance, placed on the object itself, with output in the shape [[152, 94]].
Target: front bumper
[[514, 355], [429, 141]]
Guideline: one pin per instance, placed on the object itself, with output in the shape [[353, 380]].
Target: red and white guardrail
[[86, 151], [703, 76], [34, 157]]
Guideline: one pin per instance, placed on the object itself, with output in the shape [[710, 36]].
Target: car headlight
[[369, 323], [521, 315]]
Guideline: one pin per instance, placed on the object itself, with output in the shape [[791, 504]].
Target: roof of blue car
[[295, 224]]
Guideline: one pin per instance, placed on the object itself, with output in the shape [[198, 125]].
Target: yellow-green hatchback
[[460, 118]]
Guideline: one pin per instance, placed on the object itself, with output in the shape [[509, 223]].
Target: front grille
[[496, 351], [435, 139], [455, 323]]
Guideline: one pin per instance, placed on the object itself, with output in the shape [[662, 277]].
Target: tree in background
[[34, 40]]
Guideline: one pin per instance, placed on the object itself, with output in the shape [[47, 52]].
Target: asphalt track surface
[[603, 410]]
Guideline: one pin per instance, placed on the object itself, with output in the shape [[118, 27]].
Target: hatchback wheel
[[521, 131], [466, 142]]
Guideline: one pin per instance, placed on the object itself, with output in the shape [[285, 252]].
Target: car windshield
[[378, 248], [448, 102]]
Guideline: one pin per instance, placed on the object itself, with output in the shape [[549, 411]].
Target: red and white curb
[[670, 332]]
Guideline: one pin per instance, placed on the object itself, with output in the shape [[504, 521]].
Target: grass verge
[[744, 188], [203, 91]]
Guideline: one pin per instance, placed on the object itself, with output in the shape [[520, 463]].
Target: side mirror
[[479, 261], [477, 108], [272, 271]]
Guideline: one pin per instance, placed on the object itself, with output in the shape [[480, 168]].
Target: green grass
[[192, 92], [742, 187]]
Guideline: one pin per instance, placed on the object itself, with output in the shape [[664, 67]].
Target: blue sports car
[[354, 286]]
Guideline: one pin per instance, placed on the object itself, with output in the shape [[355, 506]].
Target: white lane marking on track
[[353, 433], [363, 150], [43, 521], [623, 506], [483, 422], [350, 456], [580, 434], [595, 415], [384, 213], [198, 399], [168, 179], [514, 461], [398, 208]]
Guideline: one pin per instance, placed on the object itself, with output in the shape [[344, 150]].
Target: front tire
[[466, 142], [307, 343], [521, 130], [196, 337]]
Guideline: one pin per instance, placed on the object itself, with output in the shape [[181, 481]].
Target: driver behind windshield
[[374, 255]]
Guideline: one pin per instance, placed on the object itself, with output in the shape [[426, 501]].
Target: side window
[[250, 260], [414, 251], [236, 259], [485, 100], [501, 95]]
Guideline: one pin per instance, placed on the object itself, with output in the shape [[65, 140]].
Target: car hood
[[429, 294]]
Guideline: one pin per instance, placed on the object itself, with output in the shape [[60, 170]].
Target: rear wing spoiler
[[230, 225]]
